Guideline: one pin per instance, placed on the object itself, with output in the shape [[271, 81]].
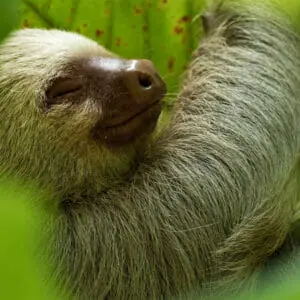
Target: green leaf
[[160, 30], [292, 8], [21, 275], [9, 17]]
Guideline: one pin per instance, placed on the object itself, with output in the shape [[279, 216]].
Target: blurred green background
[[164, 31]]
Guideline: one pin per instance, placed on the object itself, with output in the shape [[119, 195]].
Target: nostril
[[145, 81]]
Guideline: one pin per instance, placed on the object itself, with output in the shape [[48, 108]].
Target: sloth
[[142, 210]]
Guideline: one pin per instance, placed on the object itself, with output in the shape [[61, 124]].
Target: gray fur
[[213, 196]]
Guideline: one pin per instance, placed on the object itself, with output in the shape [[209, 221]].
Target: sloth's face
[[70, 90], [71, 109], [122, 96]]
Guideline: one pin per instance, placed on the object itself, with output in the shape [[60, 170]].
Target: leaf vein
[[48, 21]]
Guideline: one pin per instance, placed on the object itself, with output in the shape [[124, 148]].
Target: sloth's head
[[67, 105]]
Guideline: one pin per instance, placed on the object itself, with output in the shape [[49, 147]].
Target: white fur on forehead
[[34, 52], [50, 41]]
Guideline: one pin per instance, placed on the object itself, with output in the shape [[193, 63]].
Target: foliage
[[9, 17], [21, 274], [164, 31], [160, 30], [292, 8]]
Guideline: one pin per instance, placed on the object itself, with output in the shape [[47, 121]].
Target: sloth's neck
[[93, 186]]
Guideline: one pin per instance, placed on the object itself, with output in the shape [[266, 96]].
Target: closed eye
[[62, 87]]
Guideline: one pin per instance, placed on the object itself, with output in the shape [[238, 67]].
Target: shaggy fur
[[210, 200]]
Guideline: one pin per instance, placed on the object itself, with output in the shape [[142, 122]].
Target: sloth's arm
[[229, 154]]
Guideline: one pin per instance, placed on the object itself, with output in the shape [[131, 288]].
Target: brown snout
[[134, 91]]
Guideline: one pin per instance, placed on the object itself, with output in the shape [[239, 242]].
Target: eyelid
[[62, 87]]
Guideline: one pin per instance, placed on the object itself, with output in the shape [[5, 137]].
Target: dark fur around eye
[[60, 88]]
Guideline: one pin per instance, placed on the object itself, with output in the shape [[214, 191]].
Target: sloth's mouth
[[128, 129]]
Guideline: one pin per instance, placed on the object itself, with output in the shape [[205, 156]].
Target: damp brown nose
[[143, 82], [131, 92]]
